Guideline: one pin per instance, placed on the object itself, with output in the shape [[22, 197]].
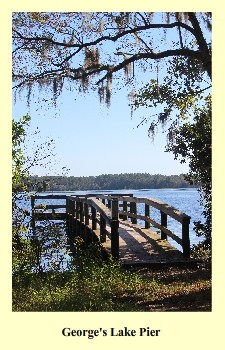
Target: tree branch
[[151, 55], [108, 37], [205, 53], [96, 69]]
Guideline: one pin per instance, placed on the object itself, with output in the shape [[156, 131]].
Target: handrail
[[165, 210], [95, 203], [79, 211], [109, 215], [47, 206]]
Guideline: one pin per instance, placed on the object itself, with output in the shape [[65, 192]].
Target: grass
[[96, 285]]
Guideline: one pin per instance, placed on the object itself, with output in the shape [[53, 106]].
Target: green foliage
[[179, 96], [20, 245], [92, 284], [19, 171], [110, 182], [193, 142], [26, 249]]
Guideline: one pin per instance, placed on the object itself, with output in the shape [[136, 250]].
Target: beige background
[[44, 330]]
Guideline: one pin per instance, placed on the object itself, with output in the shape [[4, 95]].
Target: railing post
[[77, 217], [73, 216], [147, 213], [86, 214], [114, 229], [115, 238], [86, 222], [32, 204], [163, 223], [67, 212], [70, 216], [81, 212], [133, 210], [93, 214], [124, 209], [77, 210], [32, 212], [114, 209], [109, 203], [102, 229], [185, 237]]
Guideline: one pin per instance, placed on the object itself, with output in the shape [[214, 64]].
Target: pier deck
[[139, 246]]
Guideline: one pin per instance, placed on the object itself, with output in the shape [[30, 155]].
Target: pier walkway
[[114, 221]]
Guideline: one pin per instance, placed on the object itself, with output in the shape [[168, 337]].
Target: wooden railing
[[47, 206], [165, 210], [80, 209]]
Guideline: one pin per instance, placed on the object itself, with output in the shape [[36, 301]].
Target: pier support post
[[163, 223], [185, 237]]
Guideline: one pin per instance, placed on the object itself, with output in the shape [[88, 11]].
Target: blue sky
[[92, 140]]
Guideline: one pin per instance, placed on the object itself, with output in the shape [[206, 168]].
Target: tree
[[56, 49], [193, 142], [19, 172], [24, 249]]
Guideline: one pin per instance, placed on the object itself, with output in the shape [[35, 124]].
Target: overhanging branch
[[153, 56], [106, 37]]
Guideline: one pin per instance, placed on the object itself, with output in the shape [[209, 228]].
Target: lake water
[[185, 200]]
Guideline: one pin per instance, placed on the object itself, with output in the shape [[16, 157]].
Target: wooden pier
[[112, 219]]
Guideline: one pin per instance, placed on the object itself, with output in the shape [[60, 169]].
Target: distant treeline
[[108, 182]]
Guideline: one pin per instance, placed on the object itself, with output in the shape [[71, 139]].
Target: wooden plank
[[50, 196]]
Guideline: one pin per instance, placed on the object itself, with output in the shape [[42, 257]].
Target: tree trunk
[[203, 47]]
